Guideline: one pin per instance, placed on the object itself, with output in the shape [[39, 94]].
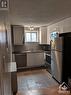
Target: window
[[31, 37]]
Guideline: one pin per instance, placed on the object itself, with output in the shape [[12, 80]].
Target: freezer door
[[56, 65]]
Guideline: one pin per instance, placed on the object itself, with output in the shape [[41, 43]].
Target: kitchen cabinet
[[43, 35], [17, 32], [29, 59], [35, 59]]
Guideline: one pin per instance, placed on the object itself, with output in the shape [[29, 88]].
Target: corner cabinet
[[17, 32]]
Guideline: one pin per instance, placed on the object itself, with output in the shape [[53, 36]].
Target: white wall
[[61, 27]]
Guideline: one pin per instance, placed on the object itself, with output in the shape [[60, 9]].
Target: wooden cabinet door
[[43, 35], [35, 59], [17, 34]]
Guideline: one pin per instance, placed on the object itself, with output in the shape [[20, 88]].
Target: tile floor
[[36, 79]]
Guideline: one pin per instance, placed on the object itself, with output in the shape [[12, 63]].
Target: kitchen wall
[[26, 46], [61, 27]]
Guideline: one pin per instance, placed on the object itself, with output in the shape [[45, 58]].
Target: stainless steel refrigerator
[[61, 56], [56, 56]]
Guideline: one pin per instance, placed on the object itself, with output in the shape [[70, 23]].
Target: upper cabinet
[[43, 35], [17, 32], [21, 34]]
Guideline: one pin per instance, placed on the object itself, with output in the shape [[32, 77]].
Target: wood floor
[[34, 82]]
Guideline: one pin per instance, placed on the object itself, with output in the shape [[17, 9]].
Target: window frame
[[31, 36]]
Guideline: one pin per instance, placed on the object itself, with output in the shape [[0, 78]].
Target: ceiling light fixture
[[31, 28]]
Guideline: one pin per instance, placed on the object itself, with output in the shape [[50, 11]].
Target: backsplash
[[27, 46], [31, 46], [45, 47]]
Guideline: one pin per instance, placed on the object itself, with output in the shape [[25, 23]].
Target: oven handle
[[48, 54]]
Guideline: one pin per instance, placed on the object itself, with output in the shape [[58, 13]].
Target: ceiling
[[39, 12]]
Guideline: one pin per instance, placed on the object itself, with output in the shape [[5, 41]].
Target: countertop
[[28, 51]]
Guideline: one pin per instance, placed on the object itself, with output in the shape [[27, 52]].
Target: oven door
[[48, 58]]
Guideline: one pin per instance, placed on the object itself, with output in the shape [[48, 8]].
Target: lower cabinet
[[29, 59], [21, 60], [35, 59]]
